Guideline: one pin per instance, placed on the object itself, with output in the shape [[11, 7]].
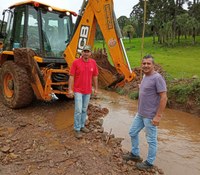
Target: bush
[[134, 95], [184, 90]]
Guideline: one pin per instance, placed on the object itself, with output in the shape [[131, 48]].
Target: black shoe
[[131, 156], [144, 165]]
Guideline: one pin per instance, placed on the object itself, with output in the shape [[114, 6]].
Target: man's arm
[[95, 81], [161, 107], [70, 85]]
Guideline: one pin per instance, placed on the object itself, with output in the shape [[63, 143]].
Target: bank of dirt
[[31, 144]]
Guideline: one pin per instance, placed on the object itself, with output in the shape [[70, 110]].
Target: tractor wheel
[[16, 90]]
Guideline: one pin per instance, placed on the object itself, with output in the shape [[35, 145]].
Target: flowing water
[[178, 133]]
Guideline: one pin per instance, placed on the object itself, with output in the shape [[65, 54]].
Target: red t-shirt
[[83, 73]]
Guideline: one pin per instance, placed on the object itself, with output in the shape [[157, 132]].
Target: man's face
[[86, 54], [147, 66]]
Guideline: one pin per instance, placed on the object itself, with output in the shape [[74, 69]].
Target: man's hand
[[70, 94], [95, 92], [156, 120]]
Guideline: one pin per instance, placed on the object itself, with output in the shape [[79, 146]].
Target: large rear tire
[[15, 90]]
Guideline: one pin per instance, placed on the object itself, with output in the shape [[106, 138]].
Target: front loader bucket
[[108, 75]]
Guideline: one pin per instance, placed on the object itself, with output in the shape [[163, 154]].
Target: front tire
[[16, 90]]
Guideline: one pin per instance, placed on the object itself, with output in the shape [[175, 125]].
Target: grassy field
[[181, 61]]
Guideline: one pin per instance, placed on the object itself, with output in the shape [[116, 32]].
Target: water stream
[[178, 133]]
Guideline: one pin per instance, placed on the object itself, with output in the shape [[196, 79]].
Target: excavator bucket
[[108, 75]]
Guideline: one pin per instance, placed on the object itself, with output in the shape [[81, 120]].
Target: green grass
[[180, 61]]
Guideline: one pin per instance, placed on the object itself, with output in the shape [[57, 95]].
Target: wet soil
[[31, 143]]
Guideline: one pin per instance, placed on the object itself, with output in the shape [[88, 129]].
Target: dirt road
[[31, 144]]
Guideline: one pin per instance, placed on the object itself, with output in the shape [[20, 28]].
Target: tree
[[128, 31], [123, 21]]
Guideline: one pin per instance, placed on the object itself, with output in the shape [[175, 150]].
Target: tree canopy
[[167, 19]]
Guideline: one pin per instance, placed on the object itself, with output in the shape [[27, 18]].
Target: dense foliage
[[166, 19]]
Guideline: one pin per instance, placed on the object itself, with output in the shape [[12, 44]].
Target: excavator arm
[[100, 12]]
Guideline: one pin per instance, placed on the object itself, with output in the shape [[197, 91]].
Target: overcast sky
[[122, 7]]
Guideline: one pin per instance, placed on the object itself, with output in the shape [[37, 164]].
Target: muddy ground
[[31, 144]]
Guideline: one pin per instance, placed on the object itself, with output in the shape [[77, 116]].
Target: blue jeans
[[138, 124], [81, 105]]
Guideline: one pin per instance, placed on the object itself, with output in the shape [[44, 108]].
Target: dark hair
[[149, 56]]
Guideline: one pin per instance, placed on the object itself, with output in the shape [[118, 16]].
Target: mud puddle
[[64, 119]]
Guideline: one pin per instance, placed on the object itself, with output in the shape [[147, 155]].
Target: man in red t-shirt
[[83, 71]]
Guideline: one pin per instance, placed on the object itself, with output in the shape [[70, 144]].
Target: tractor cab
[[46, 30]]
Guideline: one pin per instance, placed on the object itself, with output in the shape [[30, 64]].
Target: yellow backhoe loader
[[40, 42]]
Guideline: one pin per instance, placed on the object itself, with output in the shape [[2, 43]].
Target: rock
[[5, 149], [22, 124], [8, 141], [160, 171], [51, 164], [13, 156], [101, 130], [1, 155], [42, 148], [98, 137], [14, 139], [99, 122], [104, 136]]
